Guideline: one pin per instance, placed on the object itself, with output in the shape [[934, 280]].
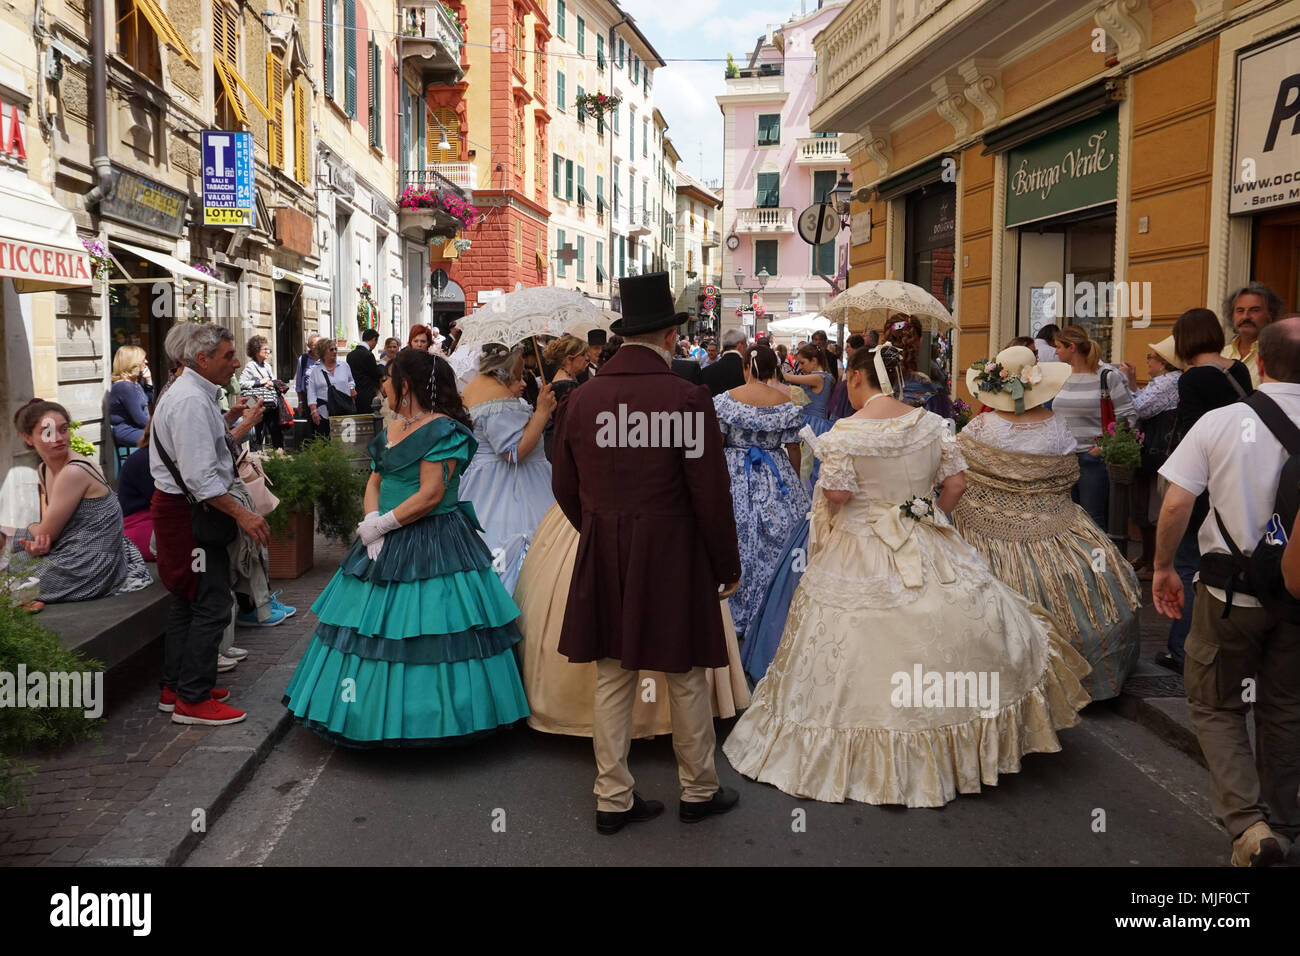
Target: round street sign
[[709, 303], [818, 223], [710, 291]]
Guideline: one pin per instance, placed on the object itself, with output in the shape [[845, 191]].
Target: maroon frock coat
[[658, 533]]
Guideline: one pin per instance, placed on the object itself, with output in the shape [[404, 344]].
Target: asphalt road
[[1115, 795]]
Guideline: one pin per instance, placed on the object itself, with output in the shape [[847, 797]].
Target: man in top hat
[[638, 468], [596, 340]]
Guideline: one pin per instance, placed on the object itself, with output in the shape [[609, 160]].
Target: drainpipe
[[99, 108], [613, 180]]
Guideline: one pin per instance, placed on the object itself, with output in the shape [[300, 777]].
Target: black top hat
[[647, 305], [597, 337]]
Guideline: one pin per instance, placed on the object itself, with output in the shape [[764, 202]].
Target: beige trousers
[[1224, 657], [693, 738]]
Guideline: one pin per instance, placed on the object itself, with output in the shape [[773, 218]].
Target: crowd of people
[[827, 531]]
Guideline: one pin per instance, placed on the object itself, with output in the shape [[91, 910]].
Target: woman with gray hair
[[509, 479]]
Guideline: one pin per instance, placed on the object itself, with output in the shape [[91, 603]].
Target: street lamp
[[739, 278], [840, 196]]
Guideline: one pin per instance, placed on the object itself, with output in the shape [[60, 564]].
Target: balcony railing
[[711, 237], [863, 32], [462, 175], [821, 151], [431, 177], [753, 82], [431, 43], [639, 223], [765, 219]]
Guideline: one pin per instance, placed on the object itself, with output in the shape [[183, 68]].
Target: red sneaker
[[167, 701], [209, 712]]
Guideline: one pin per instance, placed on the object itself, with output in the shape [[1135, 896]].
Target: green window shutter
[[645, 81], [328, 39], [582, 48], [582, 186], [824, 256], [558, 164], [582, 260], [376, 78], [768, 192], [645, 137], [765, 251], [600, 261], [350, 57], [568, 180], [582, 114], [636, 70], [559, 248], [600, 51], [559, 90], [616, 112], [631, 136], [600, 197], [559, 19], [769, 129]]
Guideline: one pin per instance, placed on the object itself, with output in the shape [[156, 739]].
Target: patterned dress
[[91, 558], [768, 497]]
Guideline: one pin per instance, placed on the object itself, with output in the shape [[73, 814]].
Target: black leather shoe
[[611, 821], [725, 799]]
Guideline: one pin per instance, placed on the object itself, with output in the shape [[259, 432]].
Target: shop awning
[[173, 265], [39, 248], [312, 288]]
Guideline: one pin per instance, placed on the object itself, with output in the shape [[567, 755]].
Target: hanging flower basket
[[100, 263], [597, 104], [417, 197]]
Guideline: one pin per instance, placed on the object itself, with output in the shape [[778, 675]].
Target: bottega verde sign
[[1073, 168]]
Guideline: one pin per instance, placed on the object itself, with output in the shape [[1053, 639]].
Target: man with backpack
[[1244, 645]]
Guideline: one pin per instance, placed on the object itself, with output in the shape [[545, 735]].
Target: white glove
[[376, 525], [372, 550]]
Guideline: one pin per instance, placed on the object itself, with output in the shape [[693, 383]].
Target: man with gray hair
[[1250, 309], [195, 518], [728, 371]]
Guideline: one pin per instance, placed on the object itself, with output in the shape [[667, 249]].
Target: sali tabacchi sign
[[1064, 171]]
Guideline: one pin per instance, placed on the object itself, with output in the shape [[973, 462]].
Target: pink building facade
[[773, 168]]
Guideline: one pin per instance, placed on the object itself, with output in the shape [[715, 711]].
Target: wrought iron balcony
[[639, 224], [431, 43]]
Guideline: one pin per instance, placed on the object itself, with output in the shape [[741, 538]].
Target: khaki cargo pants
[[1250, 654]]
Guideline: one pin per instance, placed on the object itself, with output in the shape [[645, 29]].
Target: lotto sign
[[709, 303], [228, 198]]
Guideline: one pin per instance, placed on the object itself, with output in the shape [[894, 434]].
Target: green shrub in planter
[[24, 729], [319, 476]]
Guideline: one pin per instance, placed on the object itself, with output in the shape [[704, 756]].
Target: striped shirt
[[1158, 395], [1079, 403]]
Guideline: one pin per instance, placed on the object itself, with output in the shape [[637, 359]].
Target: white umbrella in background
[[518, 315], [869, 304], [803, 325]]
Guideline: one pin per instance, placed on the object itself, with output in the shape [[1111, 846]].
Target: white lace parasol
[[511, 318], [868, 305]]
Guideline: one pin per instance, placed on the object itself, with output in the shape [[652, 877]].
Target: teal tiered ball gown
[[415, 648]]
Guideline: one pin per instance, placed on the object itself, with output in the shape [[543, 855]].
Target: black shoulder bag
[[335, 401], [211, 528]]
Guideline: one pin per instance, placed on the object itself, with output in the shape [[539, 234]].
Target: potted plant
[[1121, 450], [319, 480]]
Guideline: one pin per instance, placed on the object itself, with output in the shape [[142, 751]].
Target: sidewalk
[[116, 785]]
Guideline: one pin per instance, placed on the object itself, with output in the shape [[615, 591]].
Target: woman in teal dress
[[415, 645]]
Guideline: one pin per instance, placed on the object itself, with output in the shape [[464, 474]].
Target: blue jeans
[[1092, 491], [1186, 560]]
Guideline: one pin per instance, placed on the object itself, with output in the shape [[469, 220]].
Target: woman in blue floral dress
[[757, 419]]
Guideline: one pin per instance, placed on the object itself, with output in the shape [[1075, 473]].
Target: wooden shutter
[[275, 96], [372, 78], [300, 130], [328, 43], [350, 57], [166, 31], [450, 119]]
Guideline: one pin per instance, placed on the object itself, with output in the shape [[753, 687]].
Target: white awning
[[173, 265], [39, 248], [311, 288]]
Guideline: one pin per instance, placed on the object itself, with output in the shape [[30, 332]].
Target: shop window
[[1077, 253], [765, 256], [767, 190], [769, 129]]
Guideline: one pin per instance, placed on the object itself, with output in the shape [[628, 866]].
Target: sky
[[684, 30]]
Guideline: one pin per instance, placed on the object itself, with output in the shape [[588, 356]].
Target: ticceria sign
[[1065, 171], [1266, 142], [39, 248]]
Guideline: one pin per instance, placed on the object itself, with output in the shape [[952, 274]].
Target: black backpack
[[1260, 572]]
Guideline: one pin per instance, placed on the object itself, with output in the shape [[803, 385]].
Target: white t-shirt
[[1233, 454]]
